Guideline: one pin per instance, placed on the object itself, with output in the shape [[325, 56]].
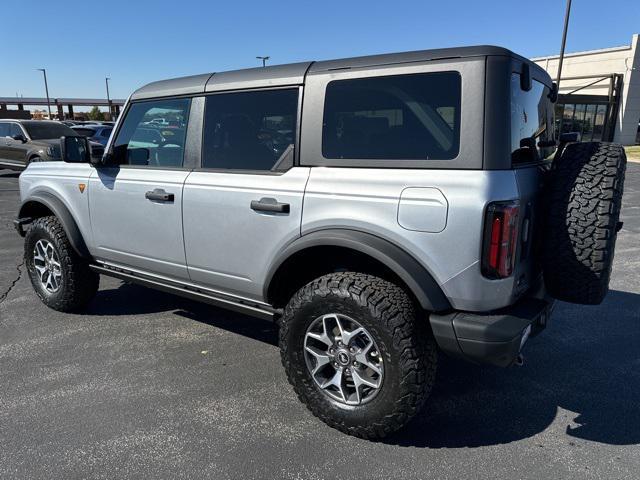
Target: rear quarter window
[[531, 122], [408, 117]]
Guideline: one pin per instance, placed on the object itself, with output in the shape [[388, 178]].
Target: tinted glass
[[85, 132], [587, 126], [249, 130], [599, 123], [5, 130], [394, 117], [106, 132], [531, 122], [48, 130], [14, 129], [142, 142]]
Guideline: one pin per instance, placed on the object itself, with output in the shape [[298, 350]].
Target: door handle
[[159, 195], [269, 205]]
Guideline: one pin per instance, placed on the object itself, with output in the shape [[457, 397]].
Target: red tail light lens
[[500, 239]]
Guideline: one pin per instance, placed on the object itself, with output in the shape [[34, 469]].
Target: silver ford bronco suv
[[380, 209]]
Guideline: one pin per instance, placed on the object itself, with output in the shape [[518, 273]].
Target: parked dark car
[[95, 133], [26, 141]]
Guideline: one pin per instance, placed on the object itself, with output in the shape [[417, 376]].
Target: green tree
[[95, 114]]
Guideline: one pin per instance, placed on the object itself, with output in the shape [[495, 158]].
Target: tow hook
[[519, 361]]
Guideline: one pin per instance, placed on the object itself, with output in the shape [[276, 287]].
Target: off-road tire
[[584, 199], [79, 283], [404, 340]]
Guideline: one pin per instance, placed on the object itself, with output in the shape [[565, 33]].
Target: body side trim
[[66, 219], [419, 280]]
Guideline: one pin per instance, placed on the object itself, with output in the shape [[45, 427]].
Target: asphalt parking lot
[[146, 384]]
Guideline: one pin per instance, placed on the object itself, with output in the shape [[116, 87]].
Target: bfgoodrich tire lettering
[[584, 199], [76, 285], [405, 345]]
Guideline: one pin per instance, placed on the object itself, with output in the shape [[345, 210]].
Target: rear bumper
[[493, 338]]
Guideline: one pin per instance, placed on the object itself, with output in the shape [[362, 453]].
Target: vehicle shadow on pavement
[[131, 299], [582, 374]]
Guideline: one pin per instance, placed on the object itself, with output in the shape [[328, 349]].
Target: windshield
[[46, 130]]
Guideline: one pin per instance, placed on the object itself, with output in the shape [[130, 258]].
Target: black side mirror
[[75, 150], [19, 137]]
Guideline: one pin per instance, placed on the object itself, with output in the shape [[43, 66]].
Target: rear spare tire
[[584, 198]]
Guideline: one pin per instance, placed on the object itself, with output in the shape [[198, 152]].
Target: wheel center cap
[[343, 358]]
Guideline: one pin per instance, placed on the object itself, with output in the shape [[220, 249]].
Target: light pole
[[46, 88], [564, 41], [264, 60], [106, 82]]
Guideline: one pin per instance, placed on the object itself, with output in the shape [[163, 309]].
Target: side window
[[531, 122], [5, 130], [144, 141], [412, 117], [106, 132], [14, 129], [249, 130]]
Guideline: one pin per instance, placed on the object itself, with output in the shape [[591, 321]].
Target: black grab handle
[[269, 205]]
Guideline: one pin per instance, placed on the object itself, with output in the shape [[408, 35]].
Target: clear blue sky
[[138, 41]]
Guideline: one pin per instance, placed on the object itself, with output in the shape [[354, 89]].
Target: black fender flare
[[421, 283], [61, 211]]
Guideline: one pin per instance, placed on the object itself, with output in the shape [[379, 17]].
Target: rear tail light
[[500, 239]]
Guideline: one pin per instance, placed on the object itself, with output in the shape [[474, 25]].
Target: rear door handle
[[269, 205], [159, 195]]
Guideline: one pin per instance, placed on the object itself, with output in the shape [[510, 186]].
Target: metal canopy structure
[[592, 115], [113, 104]]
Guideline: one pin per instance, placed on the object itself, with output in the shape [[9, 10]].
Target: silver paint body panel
[[129, 229], [368, 200], [230, 246], [210, 237]]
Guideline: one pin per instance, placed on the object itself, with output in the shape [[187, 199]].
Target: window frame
[[187, 158], [470, 152], [297, 135], [401, 108]]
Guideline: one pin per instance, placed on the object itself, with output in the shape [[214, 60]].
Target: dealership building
[[599, 93]]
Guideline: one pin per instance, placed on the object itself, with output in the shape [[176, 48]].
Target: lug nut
[[355, 364], [352, 350], [339, 343]]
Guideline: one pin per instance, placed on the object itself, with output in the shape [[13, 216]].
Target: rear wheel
[[356, 353], [585, 196], [61, 279]]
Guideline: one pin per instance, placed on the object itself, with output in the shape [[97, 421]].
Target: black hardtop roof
[[294, 73]]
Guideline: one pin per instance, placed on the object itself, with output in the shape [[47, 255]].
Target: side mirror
[[19, 137], [75, 150]]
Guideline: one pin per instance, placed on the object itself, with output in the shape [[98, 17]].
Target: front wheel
[[61, 279], [356, 353]]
